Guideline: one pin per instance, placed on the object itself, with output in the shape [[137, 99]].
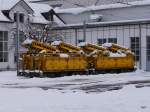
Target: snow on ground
[[9, 79], [66, 94], [128, 99]]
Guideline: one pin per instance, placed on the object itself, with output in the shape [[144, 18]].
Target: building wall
[[7, 27], [19, 8], [123, 34], [24, 27]]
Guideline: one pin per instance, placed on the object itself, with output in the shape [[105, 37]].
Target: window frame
[[21, 17], [148, 47], [4, 46], [135, 46], [101, 41], [112, 40]]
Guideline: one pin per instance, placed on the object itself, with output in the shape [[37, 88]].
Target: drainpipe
[[140, 49], [84, 30], [76, 38], [17, 45]]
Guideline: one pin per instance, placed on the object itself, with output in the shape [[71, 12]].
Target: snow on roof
[[38, 19], [105, 23], [31, 0], [58, 21], [7, 4], [101, 7], [71, 10], [38, 10], [3, 18]]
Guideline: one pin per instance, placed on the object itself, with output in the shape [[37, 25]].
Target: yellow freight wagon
[[114, 58], [60, 58], [52, 65], [63, 64], [114, 63]]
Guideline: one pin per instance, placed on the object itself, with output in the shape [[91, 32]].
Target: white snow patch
[[128, 99], [81, 44], [117, 54], [43, 51], [28, 41], [55, 43], [7, 4], [95, 17], [38, 10], [105, 45], [62, 55], [38, 19], [2, 17], [58, 21], [14, 96], [74, 11]]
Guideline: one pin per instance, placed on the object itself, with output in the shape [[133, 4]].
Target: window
[[21, 17], [15, 58], [101, 41], [80, 40], [112, 40], [135, 47], [21, 37], [38, 34], [148, 47], [15, 17], [3, 46]]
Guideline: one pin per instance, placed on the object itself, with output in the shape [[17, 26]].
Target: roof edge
[[102, 24]]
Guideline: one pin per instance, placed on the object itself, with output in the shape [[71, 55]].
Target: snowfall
[[124, 92]]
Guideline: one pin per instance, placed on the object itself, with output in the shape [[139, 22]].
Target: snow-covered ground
[[125, 92]]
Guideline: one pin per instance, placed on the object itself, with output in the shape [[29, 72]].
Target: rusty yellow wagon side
[[114, 63], [52, 65]]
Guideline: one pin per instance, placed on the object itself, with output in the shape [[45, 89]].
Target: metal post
[[76, 38], [84, 30], [17, 43], [140, 47]]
